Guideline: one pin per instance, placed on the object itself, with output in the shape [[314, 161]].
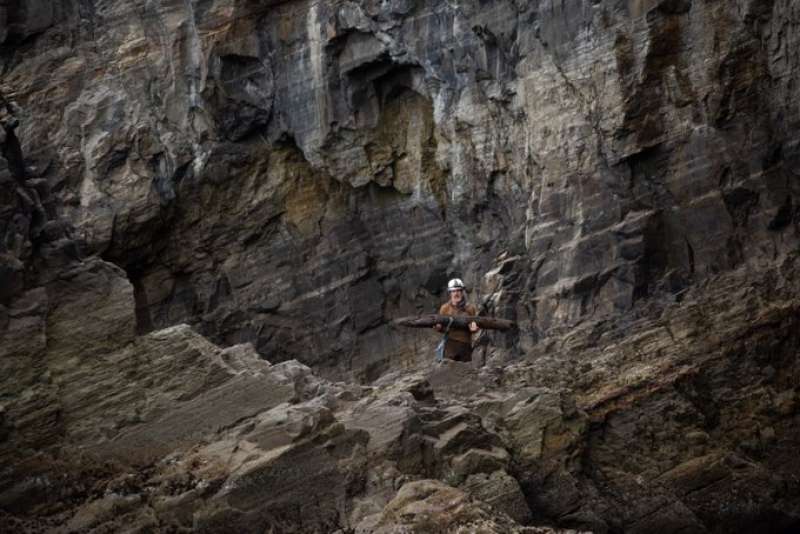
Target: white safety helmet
[[454, 284]]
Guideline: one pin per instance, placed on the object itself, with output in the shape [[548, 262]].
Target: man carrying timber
[[459, 342]]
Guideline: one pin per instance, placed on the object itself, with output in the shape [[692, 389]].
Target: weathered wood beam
[[460, 322]]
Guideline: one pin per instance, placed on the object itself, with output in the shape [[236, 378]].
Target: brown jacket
[[464, 336]]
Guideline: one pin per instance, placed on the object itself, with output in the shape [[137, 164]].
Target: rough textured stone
[[223, 151], [430, 506], [286, 177], [604, 448], [502, 492]]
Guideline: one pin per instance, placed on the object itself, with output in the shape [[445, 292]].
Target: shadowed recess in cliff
[[241, 94], [300, 265]]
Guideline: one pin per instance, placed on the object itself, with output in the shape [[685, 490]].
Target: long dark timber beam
[[461, 322]]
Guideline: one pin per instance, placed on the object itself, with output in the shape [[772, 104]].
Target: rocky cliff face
[[225, 152], [287, 176]]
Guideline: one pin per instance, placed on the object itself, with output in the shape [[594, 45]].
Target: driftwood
[[459, 321]]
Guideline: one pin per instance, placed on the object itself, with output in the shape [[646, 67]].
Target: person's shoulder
[[444, 309], [471, 309]]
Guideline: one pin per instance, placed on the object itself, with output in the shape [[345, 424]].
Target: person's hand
[[437, 327], [473, 327]]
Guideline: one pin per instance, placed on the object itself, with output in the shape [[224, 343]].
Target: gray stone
[[287, 177], [502, 492], [412, 141]]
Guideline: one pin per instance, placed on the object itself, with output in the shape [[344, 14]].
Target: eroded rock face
[[661, 426], [685, 421], [225, 152], [286, 176]]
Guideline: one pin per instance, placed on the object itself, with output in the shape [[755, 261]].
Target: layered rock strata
[[286, 177], [656, 427], [293, 174]]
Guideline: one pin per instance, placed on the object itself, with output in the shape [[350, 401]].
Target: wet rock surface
[[211, 210]]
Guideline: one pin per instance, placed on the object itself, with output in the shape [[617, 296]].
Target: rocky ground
[[683, 423], [293, 174], [211, 211]]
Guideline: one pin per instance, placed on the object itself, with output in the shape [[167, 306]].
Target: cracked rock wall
[[294, 173], [619, 177]]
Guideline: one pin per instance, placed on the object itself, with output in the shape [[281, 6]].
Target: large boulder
[[430, 506]]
